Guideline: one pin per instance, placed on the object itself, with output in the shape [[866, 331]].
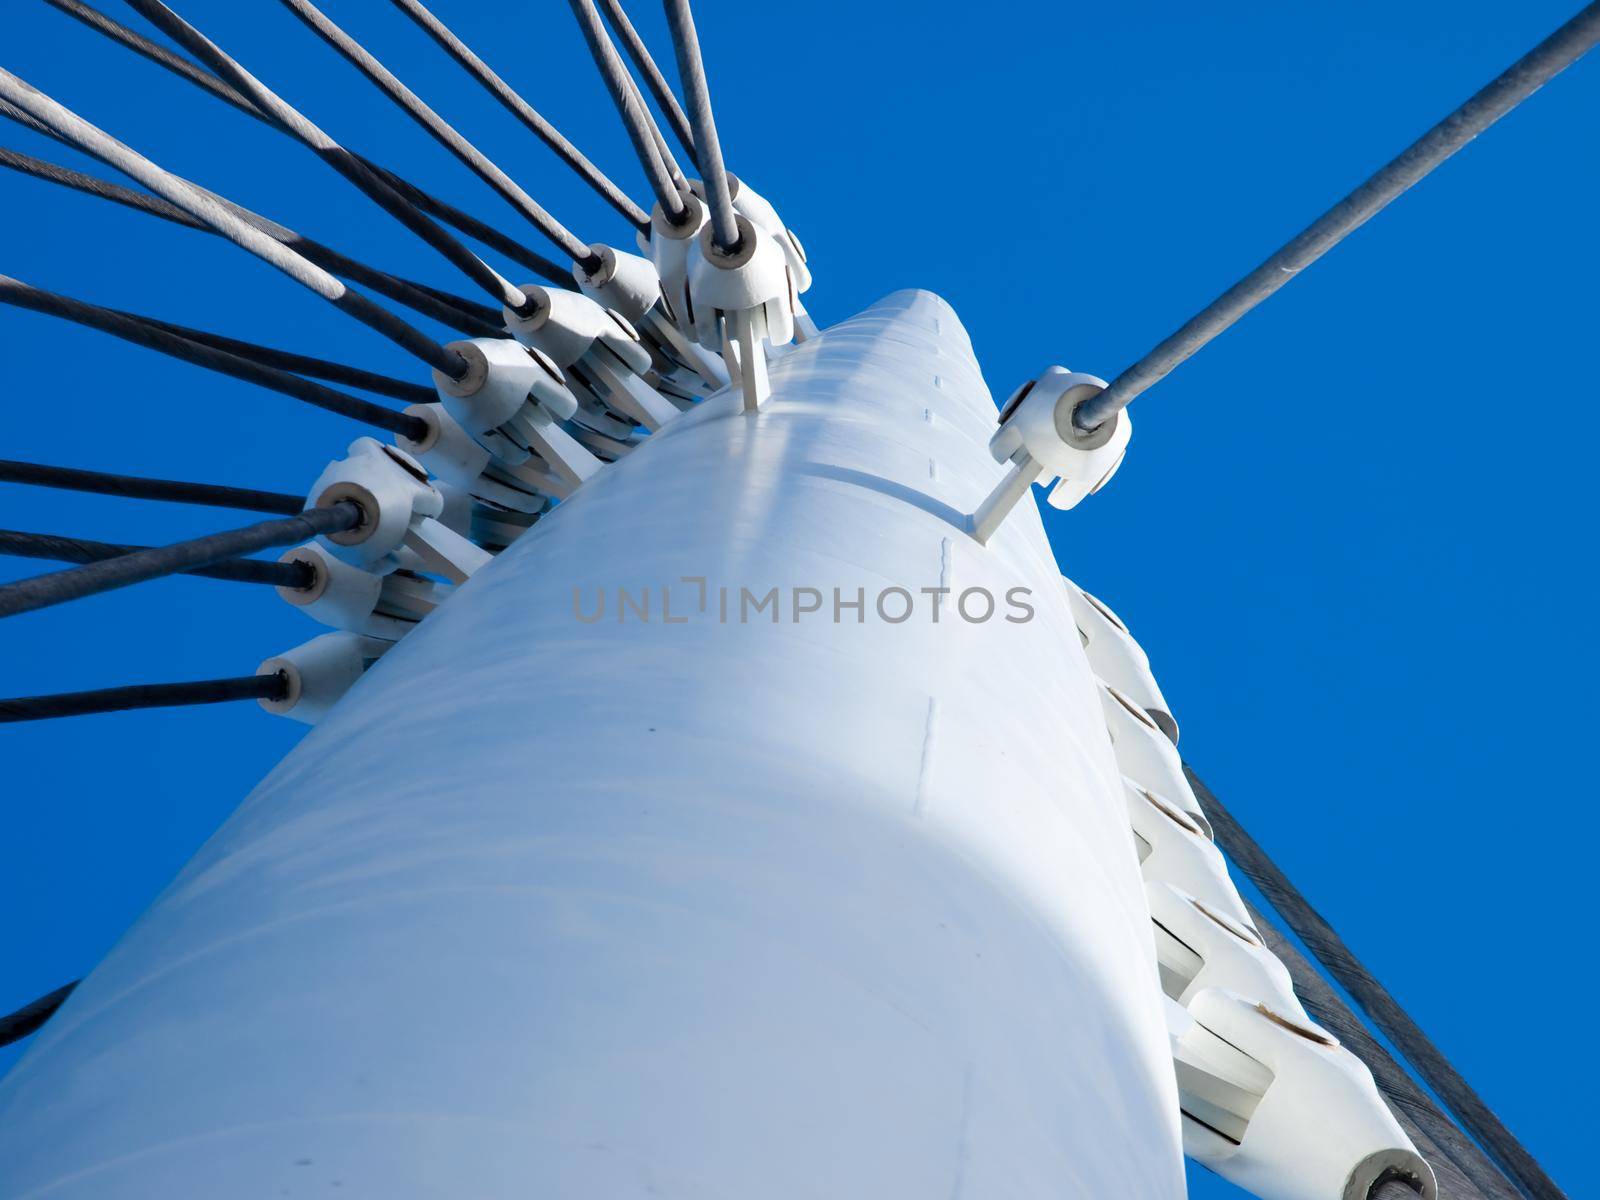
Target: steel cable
[[663, 151], [654, 79], [1385, 1012], [58, 587], [513, 102], [18, 1025], [280, 113], [707, 147], [1463, 1170], [635, 119], [138, 487], [1392, 1189], [300, 364], [274, 686], [468, 316], [480, 230], [1560, 50], [23, 295], [442, 131], [203, 207], [18, 544], [220, 89]]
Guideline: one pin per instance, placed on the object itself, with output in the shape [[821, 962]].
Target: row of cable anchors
[[742, 302], [533, 417], [1269, 1100]]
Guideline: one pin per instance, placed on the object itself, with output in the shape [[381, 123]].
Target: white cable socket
[[1117, 659], [318, 673]]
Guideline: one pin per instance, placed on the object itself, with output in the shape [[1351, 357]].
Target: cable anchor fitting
[[756, 208], [683, 371], [1039, 442], [742, 302], [601, 355], [512, 404], [318, 673], [399, 510]]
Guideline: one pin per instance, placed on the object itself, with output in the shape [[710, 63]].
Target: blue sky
[[1349, 533]]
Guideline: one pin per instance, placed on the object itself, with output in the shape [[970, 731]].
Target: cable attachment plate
[[346, 597], [600, 353], [630, 285], [742, 301], [747, 202], [511, 403]]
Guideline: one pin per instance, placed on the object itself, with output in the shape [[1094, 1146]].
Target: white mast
[[551, 908], [768, 819]]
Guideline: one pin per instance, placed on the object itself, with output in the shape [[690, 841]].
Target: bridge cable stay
[[371, 183], [299, 364], [75, 583], [707, 147], [270, 686], [137, 487], [16, 543], [668, 159], [1519, 81], [18, 1025], [218, 88], [108, 566], [665, 99], [202, 207], [481, 231], [1463, 1170], [1374, 999], [517, 106], [455, 311], [139, 332], [635, 119], [639, 105], [442, 131]]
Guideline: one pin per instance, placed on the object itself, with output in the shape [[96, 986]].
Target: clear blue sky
[[1350, 533]]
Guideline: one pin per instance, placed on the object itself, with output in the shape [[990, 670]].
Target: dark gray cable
[[1463, 1170], [442, 131], [663, 151], [1394, 1022], [638, 104], [545, 268], [653, 78], [17, 544], [208, 82], [478, 320], [158, 54], [280, 113], [273, 686], [203, 207], [1520, 81], [18, 1025], [58, 587], [23, 295], [707, 148], [522, 110], [300, 364], [634, 117], [1393, 1189], [138, 487], [21, 118]]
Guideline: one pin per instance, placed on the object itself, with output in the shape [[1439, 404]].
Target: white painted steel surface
[[553, 909]]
